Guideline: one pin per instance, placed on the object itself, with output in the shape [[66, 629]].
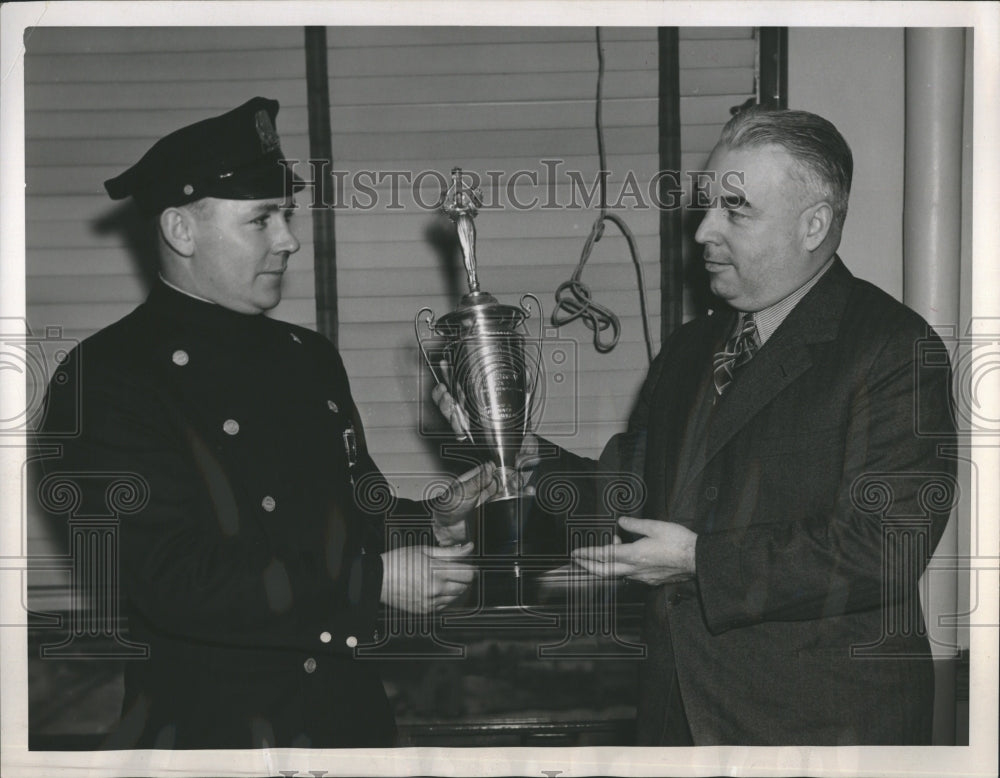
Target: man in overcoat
[[793, 449], [794, 493], [252, 560]]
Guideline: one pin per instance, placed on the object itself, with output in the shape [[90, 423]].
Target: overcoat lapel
[[781, 360], [677, 410]]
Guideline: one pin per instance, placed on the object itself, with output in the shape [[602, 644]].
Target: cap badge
[[266, 132]]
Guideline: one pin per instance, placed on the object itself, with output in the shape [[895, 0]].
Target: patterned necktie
[[740, 348]]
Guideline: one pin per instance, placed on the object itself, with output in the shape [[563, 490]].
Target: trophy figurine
[[484, 352]]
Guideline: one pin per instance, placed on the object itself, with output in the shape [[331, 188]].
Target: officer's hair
[[811, 140], [201, 209]]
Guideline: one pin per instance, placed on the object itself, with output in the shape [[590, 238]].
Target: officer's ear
[[177, 230], [816, 222]]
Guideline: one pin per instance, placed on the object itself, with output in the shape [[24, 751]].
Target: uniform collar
[[182, 291], [167, 300]]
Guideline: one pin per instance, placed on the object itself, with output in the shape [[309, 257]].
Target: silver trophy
[[486, 356]]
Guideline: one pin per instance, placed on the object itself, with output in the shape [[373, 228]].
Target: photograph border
[[978, 758]]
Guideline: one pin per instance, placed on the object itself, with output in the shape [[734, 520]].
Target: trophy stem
[[509, 481]]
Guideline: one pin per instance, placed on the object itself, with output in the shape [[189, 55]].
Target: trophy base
[[522, 558], [520, 585], [501, 527], [514, 566]]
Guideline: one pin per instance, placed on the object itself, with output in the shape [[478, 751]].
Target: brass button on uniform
[[295, 337], [268, 503], [711, 494], [332, 406], [325, 637], [231, 426], [351, 641], [180, 357], [309, 665]]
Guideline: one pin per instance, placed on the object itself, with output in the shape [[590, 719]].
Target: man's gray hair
[[810, 139]]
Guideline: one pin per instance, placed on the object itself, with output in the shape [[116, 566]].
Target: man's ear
[[177, 230], [817, 220]]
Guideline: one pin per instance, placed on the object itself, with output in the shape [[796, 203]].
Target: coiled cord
[[573, 297]]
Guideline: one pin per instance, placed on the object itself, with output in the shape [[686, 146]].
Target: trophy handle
[[429, 320], [538, 354]]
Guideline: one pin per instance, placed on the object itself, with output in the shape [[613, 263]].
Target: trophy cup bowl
[[489, 374]]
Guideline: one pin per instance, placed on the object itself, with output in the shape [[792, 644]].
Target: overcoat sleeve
[[600, 486], [893, 490]]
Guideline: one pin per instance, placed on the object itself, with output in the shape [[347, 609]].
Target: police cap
[[234, 156]]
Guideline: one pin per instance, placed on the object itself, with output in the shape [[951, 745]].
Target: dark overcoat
[[818, 485], [249, 569]]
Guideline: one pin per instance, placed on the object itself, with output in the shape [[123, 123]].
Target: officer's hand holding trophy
[[423, 579], [453, 507]]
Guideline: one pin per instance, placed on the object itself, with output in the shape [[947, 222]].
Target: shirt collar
[[769, 319]]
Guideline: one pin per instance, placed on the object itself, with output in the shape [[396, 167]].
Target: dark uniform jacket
[[246, 563], [818, 492]]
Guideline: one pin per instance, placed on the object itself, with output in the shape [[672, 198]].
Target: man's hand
[[452, 411], [664, 555], [459, 420], [526, 461], [452, 507], [423, 579]]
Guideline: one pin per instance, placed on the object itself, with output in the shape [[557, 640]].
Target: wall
[[869, 114], [97, 98], [420, 101], [523, 95]]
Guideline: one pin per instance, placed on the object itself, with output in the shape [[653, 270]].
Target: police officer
[[253, 564]]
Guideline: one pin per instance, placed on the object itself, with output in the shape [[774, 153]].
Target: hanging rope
[[573, 297]]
